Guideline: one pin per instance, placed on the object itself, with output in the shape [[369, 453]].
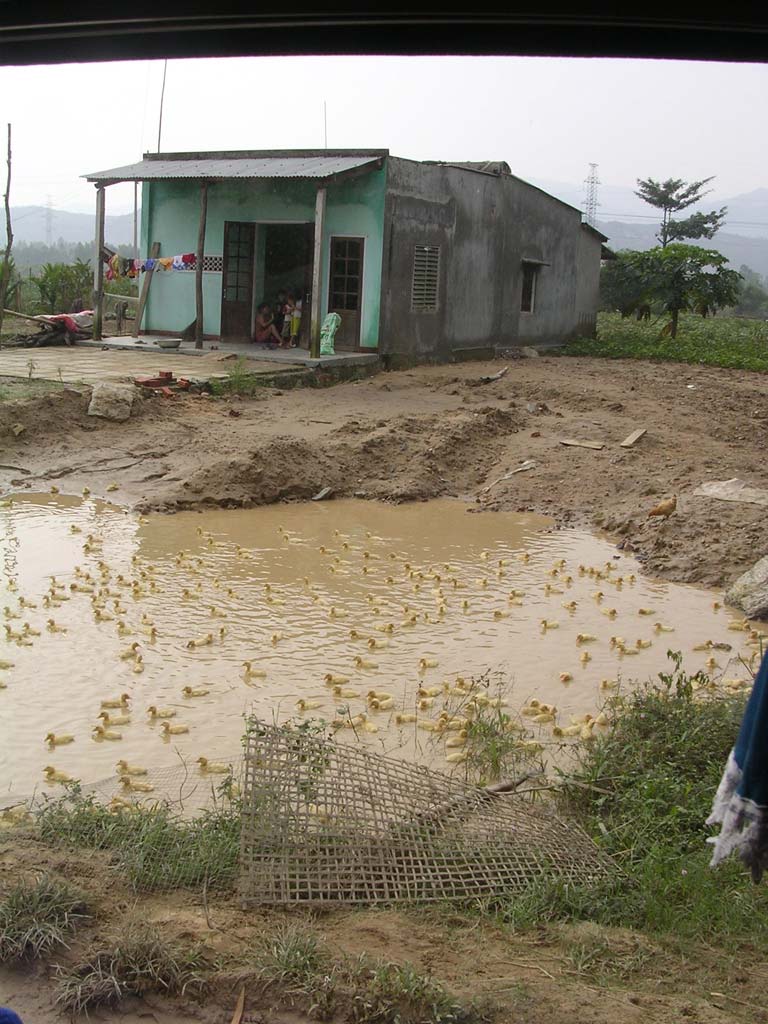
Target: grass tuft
[[38, 917], [156, 848], [238, 381], [138, 963], [732, 342]]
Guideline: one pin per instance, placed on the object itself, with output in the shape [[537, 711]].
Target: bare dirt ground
[[578, 973], [433, 432]]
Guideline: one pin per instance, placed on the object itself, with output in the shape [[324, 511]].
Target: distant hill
[[29, 225], [737, 248]]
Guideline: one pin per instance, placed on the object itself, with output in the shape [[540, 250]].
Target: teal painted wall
[[170, 214]]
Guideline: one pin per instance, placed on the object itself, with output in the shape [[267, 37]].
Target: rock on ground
[[112, 401], [750, 591]]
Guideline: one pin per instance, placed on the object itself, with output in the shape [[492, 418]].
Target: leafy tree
[[672, 196], [752, 301], [675, 278], [60, 284]]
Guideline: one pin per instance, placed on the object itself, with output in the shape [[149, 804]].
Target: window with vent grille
[[426, 278]]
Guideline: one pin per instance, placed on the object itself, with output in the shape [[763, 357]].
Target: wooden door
[[237, 281], [345, 295]]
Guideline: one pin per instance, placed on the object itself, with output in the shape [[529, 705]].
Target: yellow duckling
[[641, 645], [135, 787], [570, 606], [369, 726], [308, 705], [457, 741], [203, 641], [339, 691], [543, 719], [405, 719], [609, 684], [616, 641], [112, 487], [627, 651], [8, 613], [585, 638], [458, 757], [253, 673], [645, 611], [377, 645], [570, 730], [602, 719], [332, 679], [28, 631], [53, 628], [213, 767], [54, 740], [365, 663], [100, 733], [524, 557], [545, 625], [431, 691], [276, 638], [381, 704], [566, 677], [598, 596], [585, 657], [123, 768], [117, 702], [557, 732], [711, 664], [549, 589], [173, 730], [500, 615], [74, 529], [109, 719], [155, 712], [659, 628], [53, 775], [425, 663], [190, 691], [610, 613]]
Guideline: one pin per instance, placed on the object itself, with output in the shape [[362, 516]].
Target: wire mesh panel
[[323, 823]]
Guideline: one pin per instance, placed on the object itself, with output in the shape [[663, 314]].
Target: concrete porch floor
[[258, 353]]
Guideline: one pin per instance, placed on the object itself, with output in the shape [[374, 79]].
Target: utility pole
[[590, 202], [5, 270]]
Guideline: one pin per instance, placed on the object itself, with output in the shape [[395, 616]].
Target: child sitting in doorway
[[264, 332]]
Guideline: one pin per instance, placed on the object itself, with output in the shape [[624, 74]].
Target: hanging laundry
[[165, 262], [188, 258], [148, 264]]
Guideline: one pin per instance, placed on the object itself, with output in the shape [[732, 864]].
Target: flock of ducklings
[[445, 710]]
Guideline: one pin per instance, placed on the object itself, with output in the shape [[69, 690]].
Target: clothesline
[[121, 266]]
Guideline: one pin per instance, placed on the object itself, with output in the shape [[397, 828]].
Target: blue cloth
[[9, 1017], [741, 802]]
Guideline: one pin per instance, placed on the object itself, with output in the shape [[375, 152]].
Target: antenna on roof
[[162, 98], [590, 202]]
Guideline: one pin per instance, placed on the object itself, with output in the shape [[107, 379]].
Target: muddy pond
[[357, 595]]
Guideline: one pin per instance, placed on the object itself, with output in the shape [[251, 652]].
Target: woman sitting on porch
[[264, 332]]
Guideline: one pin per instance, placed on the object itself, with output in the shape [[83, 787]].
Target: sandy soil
[[433, 431], [536, 977]]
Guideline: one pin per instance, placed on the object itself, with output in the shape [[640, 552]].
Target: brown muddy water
[[301, 591]]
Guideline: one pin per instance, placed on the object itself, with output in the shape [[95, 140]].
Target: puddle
[[288, 584]]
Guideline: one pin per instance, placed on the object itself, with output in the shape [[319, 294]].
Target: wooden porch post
[[98, 266], [317, 275], [199, 265]]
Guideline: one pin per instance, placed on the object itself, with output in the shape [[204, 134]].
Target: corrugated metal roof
[[299, 166]]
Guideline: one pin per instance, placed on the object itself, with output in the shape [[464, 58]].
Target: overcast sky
[[547, 118]]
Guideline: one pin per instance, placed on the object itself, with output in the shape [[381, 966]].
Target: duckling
[[459, 757], [376, 645], [711, 664], [117, 702], [616, 641], [425, 703], [54, 489], [74, 529], [53, 775], [203, 641], [28, 631], [425, 663], [557, 732], [566, 677], [213, 767], [609, 613], [645, 611], [457, 741], [308, 705], [369, 726], [24, 603], [135, 787], [585, 638], [626, 651], [123, 629], [332, 679], [602, 719], [379, 704], [365, 663], [571, 730], [336, 614], [155, 712], [174, 730], [114, 719], [431, 691], [388, 627], [543, 719], [339, 691], [570, 606], [276, 638], [253, 673], [123, 768], [585, 657], [405, 719], [54, 740], [500, 615], [641, 645], [190, 691], [101, 733], [53, 628], [113, 487], [609, 684], [549, 589], [660, 628], [598, 596], [545, 625]]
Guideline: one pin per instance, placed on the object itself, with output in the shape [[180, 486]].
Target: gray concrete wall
[[485, 226], [588, 283]]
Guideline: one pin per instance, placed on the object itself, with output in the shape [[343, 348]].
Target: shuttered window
[[426, 278]]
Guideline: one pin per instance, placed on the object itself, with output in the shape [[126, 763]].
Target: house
[[423, 260]]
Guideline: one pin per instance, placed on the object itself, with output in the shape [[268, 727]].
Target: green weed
[[37, 917], [156, 848], [141, 961], [239, 381], [716, 341]]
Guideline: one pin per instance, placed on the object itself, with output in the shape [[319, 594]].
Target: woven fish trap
[[327, 824]]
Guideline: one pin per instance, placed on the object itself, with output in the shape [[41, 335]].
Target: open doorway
[[286, 253]]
